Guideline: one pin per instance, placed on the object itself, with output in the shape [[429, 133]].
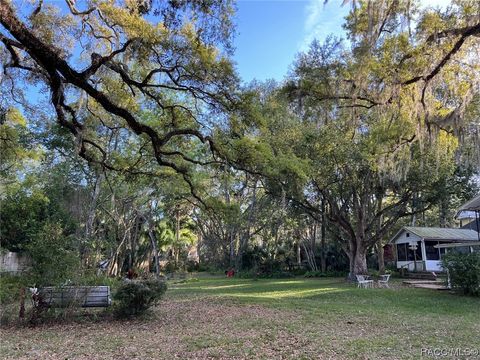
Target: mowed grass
[[267, 319]]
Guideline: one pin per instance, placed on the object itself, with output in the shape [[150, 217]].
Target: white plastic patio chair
[[364, 282], [383, 282]]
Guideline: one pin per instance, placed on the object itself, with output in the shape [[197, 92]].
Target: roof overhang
[[457, 244], [472, 205], [449, 240], [435, 237]]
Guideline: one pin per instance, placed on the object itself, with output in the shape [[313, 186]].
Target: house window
[[431, 251]]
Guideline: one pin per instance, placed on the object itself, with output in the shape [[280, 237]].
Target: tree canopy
[[125, 130]]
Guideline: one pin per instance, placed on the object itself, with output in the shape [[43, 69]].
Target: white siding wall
[[404, 239]]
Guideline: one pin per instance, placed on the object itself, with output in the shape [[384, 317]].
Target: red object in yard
[[131, 274], [388, 253], [230, 273]]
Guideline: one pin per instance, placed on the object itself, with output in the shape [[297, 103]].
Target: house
[[416, 247], [470, 210]]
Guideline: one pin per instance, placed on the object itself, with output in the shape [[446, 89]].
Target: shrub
[[10, 286], [464, 272], [299, 272], [54, 256], [280, 275], [91, 278], [249, 274], [192, 266], [314, 274], [169, 267], [135, 297]]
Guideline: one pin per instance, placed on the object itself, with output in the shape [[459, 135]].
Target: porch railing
[[420, 265]]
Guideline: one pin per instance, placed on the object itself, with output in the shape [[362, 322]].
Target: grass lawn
[[266, 319]]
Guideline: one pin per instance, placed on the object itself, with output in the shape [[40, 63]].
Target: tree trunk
[[379, 244], [177, 235], [153, 242], [413, 221], [299, 254], [90, 219], [246, 234], [444, 211], [231, 240], [313, 245], [351, 256], [380, 257], [323, 251], [116, 261], [310, 258], [359, 265], [357, 256]]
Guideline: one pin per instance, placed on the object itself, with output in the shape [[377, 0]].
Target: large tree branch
[[60, 72], [451, 32], [98, 60], [468, 32]]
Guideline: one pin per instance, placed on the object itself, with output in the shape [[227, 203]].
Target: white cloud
[[313, 10], [434, 3], [323, 19]]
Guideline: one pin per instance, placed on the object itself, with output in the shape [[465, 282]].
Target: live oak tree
[[157, 70], [370, 128], [362, 134], [383, 114]]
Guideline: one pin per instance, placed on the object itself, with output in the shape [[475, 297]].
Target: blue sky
[[272, 32]]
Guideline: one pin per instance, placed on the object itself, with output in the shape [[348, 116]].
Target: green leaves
[[464, 271], [54, 256]]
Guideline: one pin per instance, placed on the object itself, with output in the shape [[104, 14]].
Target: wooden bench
[[82, 296]]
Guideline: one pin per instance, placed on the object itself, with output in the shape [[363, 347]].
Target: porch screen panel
[[432, 253], [410, 252], [402, 252], [461, 250]]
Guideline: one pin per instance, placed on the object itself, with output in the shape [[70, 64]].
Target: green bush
[[192, 266], [10, 286], [464, 272], [315, 274], [299, 272], [54, 256], [249, 274], [135, 297], [91, 278]]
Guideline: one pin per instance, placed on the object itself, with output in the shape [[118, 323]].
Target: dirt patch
[[195, 329]]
